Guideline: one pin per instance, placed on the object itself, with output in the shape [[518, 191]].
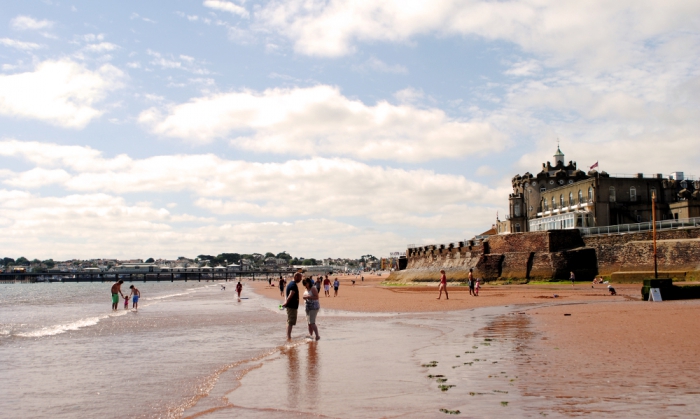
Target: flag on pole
[[594, 166]]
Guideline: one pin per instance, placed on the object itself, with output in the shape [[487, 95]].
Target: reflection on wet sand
[[292, 356], [312, 369], [302, 380]]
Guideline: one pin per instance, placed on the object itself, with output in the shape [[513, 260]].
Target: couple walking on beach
[[117, 291], [291, 303], [473, 284]]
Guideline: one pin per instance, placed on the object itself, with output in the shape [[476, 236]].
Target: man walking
[[291, 303], [116, 292]]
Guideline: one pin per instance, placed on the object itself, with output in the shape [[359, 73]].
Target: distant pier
[[24, 277]]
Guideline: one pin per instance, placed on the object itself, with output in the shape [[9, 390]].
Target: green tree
[[269, 255], [227, 258], [22, 261], [284, 255], [49, 263], [309, 262], [150, 260], [8, 261]]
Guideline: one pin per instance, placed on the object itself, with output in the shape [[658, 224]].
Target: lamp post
[[653, 229]]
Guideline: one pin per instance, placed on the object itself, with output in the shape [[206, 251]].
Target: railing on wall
[[637, 227], [650, 176]]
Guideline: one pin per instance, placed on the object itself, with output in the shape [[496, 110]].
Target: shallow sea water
[[66, 354]]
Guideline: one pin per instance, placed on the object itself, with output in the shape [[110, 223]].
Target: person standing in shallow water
[[135, 296], [116, 292], [443, 285], [291, 303], [312, 308]]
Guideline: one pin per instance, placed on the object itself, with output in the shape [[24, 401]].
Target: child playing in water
[[126, 302], [135, 295]]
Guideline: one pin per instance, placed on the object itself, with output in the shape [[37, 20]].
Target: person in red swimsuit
[[443, 285]]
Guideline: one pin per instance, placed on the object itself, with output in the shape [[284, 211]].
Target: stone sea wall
[[677, 250], [553, 255]]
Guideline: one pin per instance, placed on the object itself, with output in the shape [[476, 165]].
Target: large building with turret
[[561, 196]]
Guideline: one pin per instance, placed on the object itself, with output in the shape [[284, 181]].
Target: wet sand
[[614, 356], [634, 358]]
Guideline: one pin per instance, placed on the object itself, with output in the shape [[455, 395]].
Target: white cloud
[[594, 32], [61, 92], [380, 66], [145, 19], [75, 226], [101, 47], [13, 43], [24, 23], [169, 61], [320, 120], [336, 187], [313, 192], [409, 95], [227, 6], [524, 68]]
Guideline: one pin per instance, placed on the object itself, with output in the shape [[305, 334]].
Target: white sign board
[[655, 294]]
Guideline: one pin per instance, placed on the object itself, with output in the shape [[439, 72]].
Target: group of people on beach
[[473, 283], [311, 303], [135, 295]]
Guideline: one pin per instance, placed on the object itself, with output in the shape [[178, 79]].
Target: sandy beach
[[371, 295], [583, 352]]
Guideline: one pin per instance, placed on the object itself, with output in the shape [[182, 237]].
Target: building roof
[[558, 153], [490, 232]]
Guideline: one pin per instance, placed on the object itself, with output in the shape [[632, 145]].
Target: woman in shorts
[[312, 306]]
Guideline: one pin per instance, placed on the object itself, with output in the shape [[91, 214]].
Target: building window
[[612, 194], [544, 205], [543, 189], [554, 203], [590, 193], [633, 194], [639, 218], [561, 200], [580, 197], [571, 199], [516, 207], [653, 194], [517, 227]]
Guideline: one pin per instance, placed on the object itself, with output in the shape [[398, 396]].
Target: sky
[[324, 128]]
